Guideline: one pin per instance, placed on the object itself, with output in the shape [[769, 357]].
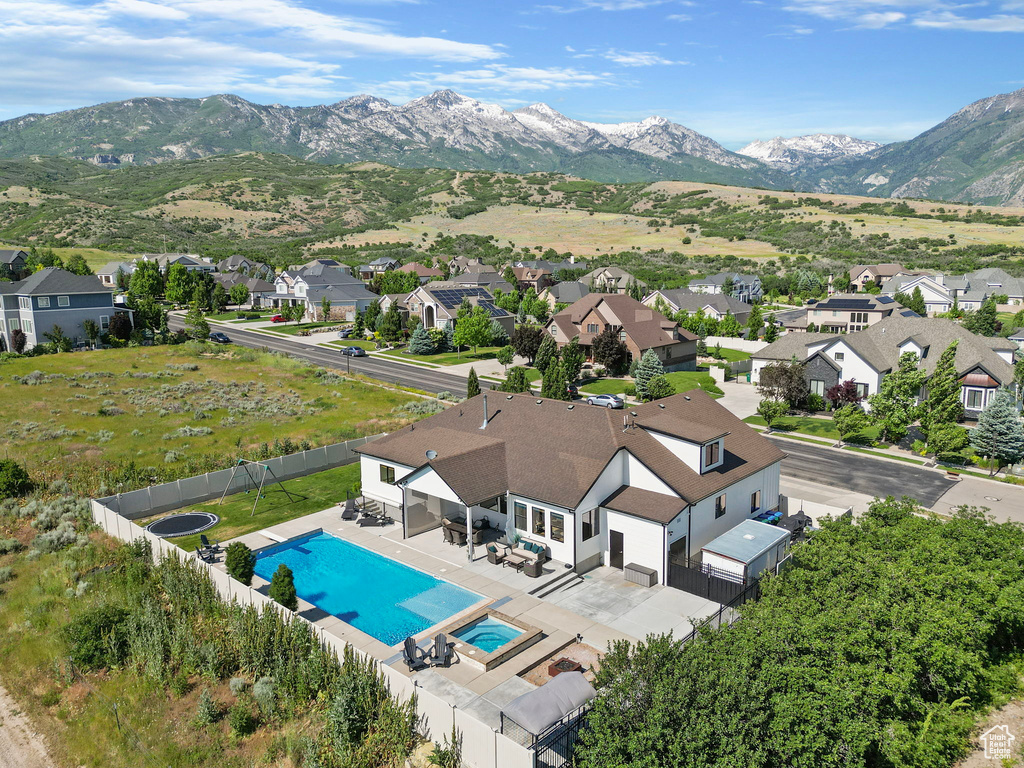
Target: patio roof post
[[469, 531]]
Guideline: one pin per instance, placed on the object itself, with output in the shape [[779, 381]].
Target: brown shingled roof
[[645, 326], [547, 451]]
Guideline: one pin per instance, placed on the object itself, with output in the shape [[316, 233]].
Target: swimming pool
[[379, 596], [488, 634]]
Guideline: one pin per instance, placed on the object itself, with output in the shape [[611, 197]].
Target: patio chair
[[351, 510], [448, 537], [441, 656], [413, 657], [369, 521], [458, 537], [214, 547], [205, 555], [494, 557], [533, 568]]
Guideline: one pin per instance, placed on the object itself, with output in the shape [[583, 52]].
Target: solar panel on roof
[[845, 304]]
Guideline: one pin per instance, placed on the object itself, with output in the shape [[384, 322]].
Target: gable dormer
[[701, 457]]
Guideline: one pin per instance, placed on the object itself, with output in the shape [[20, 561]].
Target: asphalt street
[[426, 379], [861, 474]]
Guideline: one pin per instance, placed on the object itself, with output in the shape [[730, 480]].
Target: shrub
[[240, 562], [98, 638], [265, 696], [9, 545], [449, 754], [630, 390], [241, 719], [957, 459], [59, 538], [659, 387], [282, 588], [238, 686], [6, 574], [51, 698], [14, 479], [180, 684], [814, 403], [207, 710]]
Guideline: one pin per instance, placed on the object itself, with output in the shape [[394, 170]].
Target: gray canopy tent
[[533, 715]]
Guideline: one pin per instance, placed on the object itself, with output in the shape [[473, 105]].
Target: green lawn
[[293, 330], [451, 358], [683, 381], [369, 346], [732, 355], [233, 315], [885, 455], [809, 425], [312, 493]]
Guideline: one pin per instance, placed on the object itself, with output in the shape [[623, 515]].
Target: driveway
[[741, 399]]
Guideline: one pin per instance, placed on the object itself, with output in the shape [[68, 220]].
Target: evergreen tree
[[649, 367], [499, 336], [359, 326], [917, 302], [771, 332], [554, 384], [196, 326], [572, 359], [755, 321], [325, 307], [240, 562], [472, 384], [371, 314], [391, 324], [984, 321], [547, 353], [729, 326], [999, 435], [943, 404], [894, 408], [420, 342], [282, 588], [634, 290], [515, 381]]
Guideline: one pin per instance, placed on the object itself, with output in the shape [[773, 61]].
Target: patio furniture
[[533, 568], [351, 510], [442, 652], [368, 520], [449, 537], [564, 664], [214, 547], [459, 537], [413, 656], [494, 557], [205, 555], [515, 561]]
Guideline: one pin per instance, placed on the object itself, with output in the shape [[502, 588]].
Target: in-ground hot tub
[[183, 524], [486, 637]]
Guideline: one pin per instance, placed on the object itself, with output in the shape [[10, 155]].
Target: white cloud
[[948, 20], [879, 20], [638, 58], [678, 17], [923, 14], [491, 79], [145, 10]]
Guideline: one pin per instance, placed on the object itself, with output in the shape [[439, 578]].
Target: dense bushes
[[14, 479], [98, 638], [879, 647]]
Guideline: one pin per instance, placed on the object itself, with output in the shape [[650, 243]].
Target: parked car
[[220, 338], [608, 401], [345, 333], [572, 391], [354, 351], [278, 319]]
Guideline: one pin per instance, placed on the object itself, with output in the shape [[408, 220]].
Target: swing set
[[256, 477]]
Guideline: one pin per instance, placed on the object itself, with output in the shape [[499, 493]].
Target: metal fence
[[706, 581]]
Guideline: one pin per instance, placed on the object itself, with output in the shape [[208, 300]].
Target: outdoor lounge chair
[[205, 554], [441, 656], [533, 569], [494, 556], [351, 511], [413, 657], [215, 547], [370, 520]]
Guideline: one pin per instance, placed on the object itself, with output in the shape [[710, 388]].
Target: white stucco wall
[[704, 527], [369, 475], [637, 475], [564, 551], [430, 483], [686, 451], [853, 367], [643, 542]]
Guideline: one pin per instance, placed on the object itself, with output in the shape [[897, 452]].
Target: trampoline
[[183, 524]]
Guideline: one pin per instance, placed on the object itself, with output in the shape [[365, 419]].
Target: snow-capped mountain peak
[[806, 151]]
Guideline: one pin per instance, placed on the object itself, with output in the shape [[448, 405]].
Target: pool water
[[488, 634], [379, 596]]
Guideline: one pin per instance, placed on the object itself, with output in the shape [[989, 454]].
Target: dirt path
[[20, 745], [1011, 716]]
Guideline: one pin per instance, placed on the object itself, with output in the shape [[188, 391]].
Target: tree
[[894, 408], [472, 330], [515, 381], [240, 562], [472, 384], [420, 342], [282, 588], [371, 314], [849, 419], [917, 302], [196, 326], [771, 332], [649, 367], [659, 387], [634, 290], [179, 285], [120, 326], [999, 435], [755, 321], [505, 356], [18, 341], [547, 353], [146, 280], [783, 380], [943, 405], [510, 276], [730, 326], [295, 313], [770, 410], [499, 336], [91, 330], [77, 265], [843, 393], [526, 341], [55, 336], [14, 479], [984, 321], [609, 351], [1018, 375], [728, 286], [391, 324], [240, 294], [554, 384], [947, 438], [219, 298], [359, 326], [572, 359]]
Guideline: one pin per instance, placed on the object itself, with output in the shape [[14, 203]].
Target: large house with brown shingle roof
[[640, 328], [575, 479]]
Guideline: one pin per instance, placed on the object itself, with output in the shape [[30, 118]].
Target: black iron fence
[[707, 581]]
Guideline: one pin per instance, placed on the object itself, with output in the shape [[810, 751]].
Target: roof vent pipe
[[484, 425]]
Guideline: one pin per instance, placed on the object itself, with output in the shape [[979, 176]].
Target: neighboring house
[[554, 267], [1017, 337], [109, 271], [53, 297], [310, 284], [640, 328], [792, 320], [849, 312], [377, 267], [969, 290], [682, 472], [863, 275], [261, 293], [424, 273], [460, 264], [189, 261], [246, 266], [395, 298], [322, 263], [716, 306], [611, 280], [437, 305], [13, 264], [487, 278], [531, 277], [564, 293], [983, 364], [744, 287]]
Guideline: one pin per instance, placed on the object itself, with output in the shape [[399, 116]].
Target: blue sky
[[735, 70]]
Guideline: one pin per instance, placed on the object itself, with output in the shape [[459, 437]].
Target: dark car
[[219, 338], [354, 351], [607, 401], [278, 319], [345, 333], [572, 391]]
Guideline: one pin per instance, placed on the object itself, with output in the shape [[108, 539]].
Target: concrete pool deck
[[599, 605]]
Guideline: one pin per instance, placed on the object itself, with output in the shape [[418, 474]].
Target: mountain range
[[976, 155]]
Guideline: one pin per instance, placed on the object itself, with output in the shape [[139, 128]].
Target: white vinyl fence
[[482, 746]]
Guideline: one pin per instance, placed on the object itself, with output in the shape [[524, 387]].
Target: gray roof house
[[108, 272], [611, 280], [715, 305], [564, 293], [437, 305], [13, 264], [983, 364], [377, 266], [347, 294], [189, 261], [245, 265], [744, 287], [487, 278], [54, 297]]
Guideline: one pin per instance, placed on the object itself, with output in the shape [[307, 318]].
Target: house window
[[28, 326], [862, 390], [591, 327], [720, 506], [538, 522], [387, 474], [712, 454], [44, 301], [840, 356], [817, 313], [755, 501], [557, 527], [974, 399], [622, 336], [591, 524], [520, 514], [63, 301], [25, 302], [818, 387], [859, 317], [15, 324]]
